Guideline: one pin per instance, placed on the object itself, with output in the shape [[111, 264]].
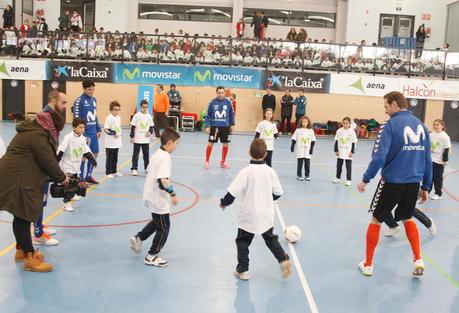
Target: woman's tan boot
[[33, 263]]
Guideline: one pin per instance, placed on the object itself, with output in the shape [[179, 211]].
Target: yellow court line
[[59, 211]]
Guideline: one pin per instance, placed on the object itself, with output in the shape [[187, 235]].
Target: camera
[[75, 187]]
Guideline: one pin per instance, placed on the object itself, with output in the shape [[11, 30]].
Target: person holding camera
[[28, 162], [70, 153]]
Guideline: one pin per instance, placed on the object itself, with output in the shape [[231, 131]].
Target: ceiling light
[[317, 17], [155, 12]]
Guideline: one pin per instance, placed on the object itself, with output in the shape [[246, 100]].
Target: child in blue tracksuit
[[219, 124], [300, 104], [85, 108]]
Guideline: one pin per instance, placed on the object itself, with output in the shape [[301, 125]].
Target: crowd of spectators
[[298, 52]]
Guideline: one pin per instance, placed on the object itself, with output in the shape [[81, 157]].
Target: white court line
[[299, 269]]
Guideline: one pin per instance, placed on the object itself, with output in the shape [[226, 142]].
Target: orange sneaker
[[33, 263], [45, 239]]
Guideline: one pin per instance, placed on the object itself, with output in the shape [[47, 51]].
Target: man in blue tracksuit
[[85, 108], [402, 152], [219, 125]]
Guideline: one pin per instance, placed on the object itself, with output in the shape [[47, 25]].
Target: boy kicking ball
[[156, 194], [258, 187]]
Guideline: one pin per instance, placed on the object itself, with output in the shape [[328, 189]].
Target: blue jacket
[[300, 103], [85, 108], [220, 113], [402, 150]]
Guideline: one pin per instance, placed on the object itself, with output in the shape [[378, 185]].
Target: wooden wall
[[321, 107]]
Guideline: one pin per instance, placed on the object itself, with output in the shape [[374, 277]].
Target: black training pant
[[299, 167], [160, 224], [135, 155], [112, 160], [243, 241], [437, 173], [339, 168]]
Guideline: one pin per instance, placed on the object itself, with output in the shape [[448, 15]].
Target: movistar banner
[[150, 74], [145, 93]]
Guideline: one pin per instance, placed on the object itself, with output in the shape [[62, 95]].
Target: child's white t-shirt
[[253, 189], [267, 130], [2, 147], [303, 138], [113, 123], [142, 123], [345, 138], [154, 198], [73, 147], [438, 143]]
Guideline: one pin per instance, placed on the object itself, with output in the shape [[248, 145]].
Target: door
[[49, 85], [418, 107], [404, 26], [451, 119], [88, 15], [13, 98], [386, 27]]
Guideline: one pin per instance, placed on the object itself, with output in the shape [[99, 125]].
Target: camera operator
[[28, 162]]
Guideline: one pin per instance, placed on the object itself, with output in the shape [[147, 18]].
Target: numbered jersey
[[85, 108]]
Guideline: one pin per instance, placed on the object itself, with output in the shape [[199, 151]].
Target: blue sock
[[82, 166], [38, 227], [89, 175]]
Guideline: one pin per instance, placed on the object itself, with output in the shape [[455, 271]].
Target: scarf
[[45, 120]]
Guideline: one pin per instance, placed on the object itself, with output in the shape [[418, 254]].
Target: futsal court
[[96, 271]]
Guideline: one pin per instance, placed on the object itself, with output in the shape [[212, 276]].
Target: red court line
[[192, 205], [446, 190]]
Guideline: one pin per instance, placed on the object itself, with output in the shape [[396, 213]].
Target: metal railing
[[218, 50]]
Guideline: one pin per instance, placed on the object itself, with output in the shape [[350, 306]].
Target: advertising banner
[[151, 74], [79, 71], [309, 82], [22, 69], [145, 93]]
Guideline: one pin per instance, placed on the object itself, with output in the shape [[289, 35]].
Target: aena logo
[[360, 86], [12, 69], [202, 78], [414, 137], [77, 153], [127, 74]]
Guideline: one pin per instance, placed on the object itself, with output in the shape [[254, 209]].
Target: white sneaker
[[118, 174], [418, 268], [435, 197], [49, 231], [242, 276], [348, 183], [134, 173], [365, 270], [136, 244], [45, 240], [68, 207], [432, 228], [336, 180], [155, 260], [300, 178], [76, 198], [391, 231], [307, 178], [110, 176]]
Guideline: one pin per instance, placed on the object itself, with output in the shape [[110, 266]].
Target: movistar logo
[[305, 140], [77, 152], [344, 141], [3, 69], [414, 137], [202, 78], [143, 126], [268, 133], [127, 74], [358, 85], [434, 146], [117, 129]]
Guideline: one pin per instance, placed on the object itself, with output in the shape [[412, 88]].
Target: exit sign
[[426, 16]]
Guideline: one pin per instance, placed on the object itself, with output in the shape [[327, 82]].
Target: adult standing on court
[[268, 102], [219, 125], [29, 160], [85, 107], [160, 110], [402, 151]]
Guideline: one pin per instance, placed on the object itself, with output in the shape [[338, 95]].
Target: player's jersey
[[220, 113], [85, 108]]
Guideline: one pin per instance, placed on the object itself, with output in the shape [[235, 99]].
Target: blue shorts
[[93, 143]]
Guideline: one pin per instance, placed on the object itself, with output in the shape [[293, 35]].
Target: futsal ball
[[292, 233]]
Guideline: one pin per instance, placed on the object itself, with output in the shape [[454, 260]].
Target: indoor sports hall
[[375, 80]]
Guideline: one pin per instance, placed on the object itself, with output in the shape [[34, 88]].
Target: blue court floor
[[95, 270]]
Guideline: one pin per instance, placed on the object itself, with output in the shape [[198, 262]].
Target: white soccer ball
[[292, 233]]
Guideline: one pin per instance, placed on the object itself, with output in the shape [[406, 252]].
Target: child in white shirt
[[304, 136], [267, 131], [345, 140], [70, 153], [156, 193], [113, 143], [2, 147], [440, 144], [258, 186], [141, 130]]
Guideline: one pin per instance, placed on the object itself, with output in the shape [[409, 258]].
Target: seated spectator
[[302, 35], [292, 35], [248, 60]]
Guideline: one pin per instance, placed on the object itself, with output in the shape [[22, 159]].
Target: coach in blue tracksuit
[[85, 108], [219, 125], [402, 152]]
